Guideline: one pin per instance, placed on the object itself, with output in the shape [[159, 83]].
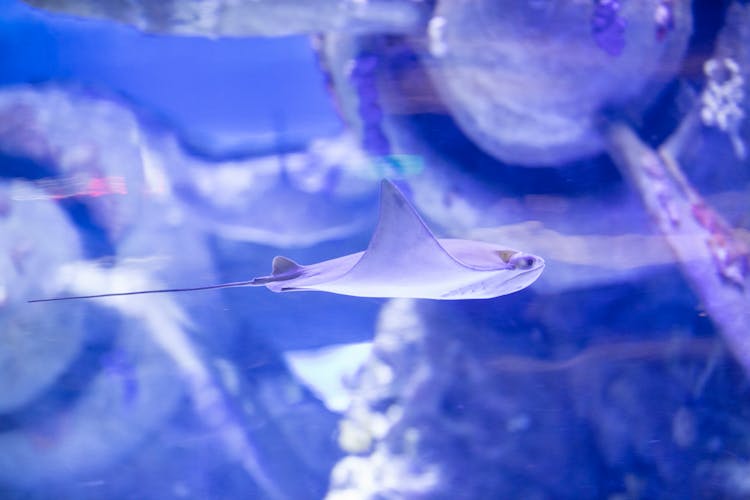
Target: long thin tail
[[253, 282]]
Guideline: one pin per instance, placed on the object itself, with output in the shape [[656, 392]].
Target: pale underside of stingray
[[403, 259]]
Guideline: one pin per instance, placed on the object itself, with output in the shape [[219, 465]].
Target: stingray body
[[403, 259]]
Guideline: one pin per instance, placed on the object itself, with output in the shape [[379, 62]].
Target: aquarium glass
[[374, 249]]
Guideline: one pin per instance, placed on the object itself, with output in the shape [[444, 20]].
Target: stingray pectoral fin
[[402, 248]]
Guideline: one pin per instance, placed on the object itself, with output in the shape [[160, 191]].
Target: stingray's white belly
[[435, 287], [479, 285]]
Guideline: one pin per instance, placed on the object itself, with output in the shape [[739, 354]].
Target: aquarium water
[[374, 249]]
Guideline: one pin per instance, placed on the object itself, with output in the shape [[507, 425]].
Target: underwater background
[[169, 144]]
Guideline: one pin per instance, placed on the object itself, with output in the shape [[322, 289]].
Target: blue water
[[132, 161], [225, 97]]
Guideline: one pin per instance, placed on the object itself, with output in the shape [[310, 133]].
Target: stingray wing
[[403, 249], [403, 259]]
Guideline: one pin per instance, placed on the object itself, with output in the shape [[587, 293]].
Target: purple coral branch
[[363, 79], [713, 260], [607, 27]]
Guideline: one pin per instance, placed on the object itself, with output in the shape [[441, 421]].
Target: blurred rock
[[132, 389], [83, 149], [258, 18], [431, 417], [37, 342], [525, 80], [584, 394], [293, 199], [81, 386]]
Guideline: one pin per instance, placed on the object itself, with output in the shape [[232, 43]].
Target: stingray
[[403, 259]]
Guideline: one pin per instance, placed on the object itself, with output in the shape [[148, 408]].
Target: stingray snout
[[523, 261]]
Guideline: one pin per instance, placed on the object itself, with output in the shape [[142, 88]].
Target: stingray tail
[[253, 282], [283, 269], [263, 280]]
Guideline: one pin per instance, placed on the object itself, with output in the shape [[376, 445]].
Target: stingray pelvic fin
[[282, 266]]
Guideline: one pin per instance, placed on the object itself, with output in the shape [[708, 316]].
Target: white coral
[[721, 100]]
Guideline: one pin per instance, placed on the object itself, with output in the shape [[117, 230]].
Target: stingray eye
[[522, 261], [505, 255]]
